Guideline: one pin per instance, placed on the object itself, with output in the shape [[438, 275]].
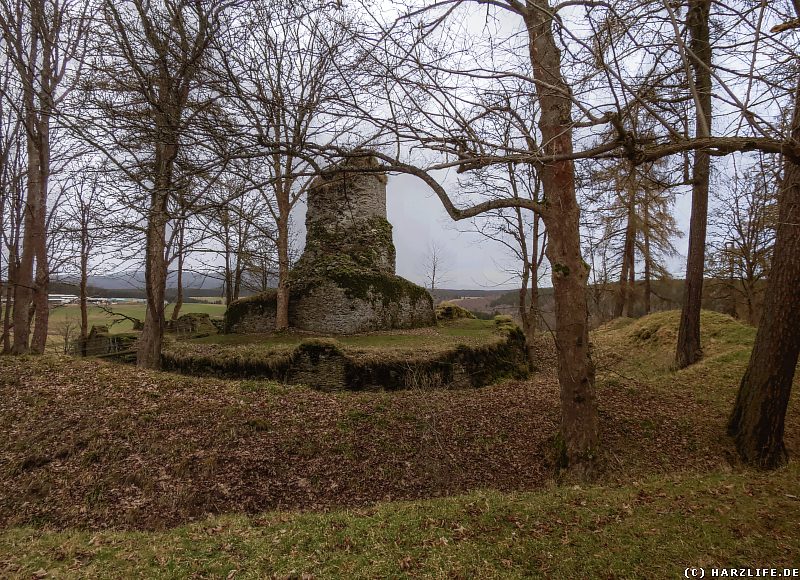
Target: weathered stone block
[[344, 282]]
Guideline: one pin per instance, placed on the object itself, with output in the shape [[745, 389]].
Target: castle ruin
[[345, 281]]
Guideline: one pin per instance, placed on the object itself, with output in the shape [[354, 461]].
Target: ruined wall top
[[345, 194], [346, 215]]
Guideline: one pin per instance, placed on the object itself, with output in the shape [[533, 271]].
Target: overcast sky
[[471, 262], [419, 219]]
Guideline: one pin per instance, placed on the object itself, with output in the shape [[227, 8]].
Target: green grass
[[65, 320], [643, 522], [643, 350], [444, 335], [650, 529], [71, 312]]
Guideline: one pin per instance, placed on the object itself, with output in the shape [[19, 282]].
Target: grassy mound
[[650, 529], [644, 350], [448, 311], [86, 445], [462, 353]]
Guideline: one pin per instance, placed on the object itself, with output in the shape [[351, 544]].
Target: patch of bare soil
[[96, 445]]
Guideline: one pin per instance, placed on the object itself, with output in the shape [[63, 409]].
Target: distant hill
[[131, 285], [666, 295], [69, 288], [133, 280]]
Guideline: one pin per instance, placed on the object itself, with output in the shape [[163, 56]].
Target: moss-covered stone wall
[[345, 281], [321, 364], [339, 304]]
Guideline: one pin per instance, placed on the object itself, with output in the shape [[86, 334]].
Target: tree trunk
[[688, 349], [751, 310], [530, 315], [627, 312], [228, 281], [525, 311], [176, 311], [42, 286], [24, 284], [41, 304], [627, 260], [148, 354], [647, 258], [7, 323], [238, 272], [579, 420], [757, 421], [84, 282], [282, 298]]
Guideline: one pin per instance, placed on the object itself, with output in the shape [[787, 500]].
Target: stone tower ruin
[[345, 281]]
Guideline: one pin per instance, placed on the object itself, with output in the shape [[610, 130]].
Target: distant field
[[63, 318], [208, 299]]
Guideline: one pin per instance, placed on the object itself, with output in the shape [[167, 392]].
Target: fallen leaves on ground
[[92, 444]]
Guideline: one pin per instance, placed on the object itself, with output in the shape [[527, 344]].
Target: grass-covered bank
[[653, 528], [87, 445], [454, 354]]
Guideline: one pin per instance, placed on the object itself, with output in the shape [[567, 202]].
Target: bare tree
[[520, 231], [632, 207], [698, 54], [440, 93], [260, 261], [436, 267], [743, 224], [757, 421], [235, 216], [83, 226], [287, 67], [151, 110], [12, 175], [45, 41], [459, 133]]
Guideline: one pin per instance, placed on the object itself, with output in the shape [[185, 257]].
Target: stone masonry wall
[[328, 309], [347, 215], [345, 282]]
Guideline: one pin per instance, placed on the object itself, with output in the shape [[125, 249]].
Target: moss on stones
[[448, 311], [323, 364], [366, 245], [257, 304]]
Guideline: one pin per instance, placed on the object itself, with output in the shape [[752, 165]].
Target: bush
[[450, 311]]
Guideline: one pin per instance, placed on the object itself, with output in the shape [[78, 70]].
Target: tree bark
[[689, 349], [627, 260], [282, 313], [24, 283], [42, 286], [647, 258], [226, 238], [579, 420], [84, 282], [148, 354], [528, 310], [176, 311], [10, 285], [757, 421], [41, 304], [631, 286]]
